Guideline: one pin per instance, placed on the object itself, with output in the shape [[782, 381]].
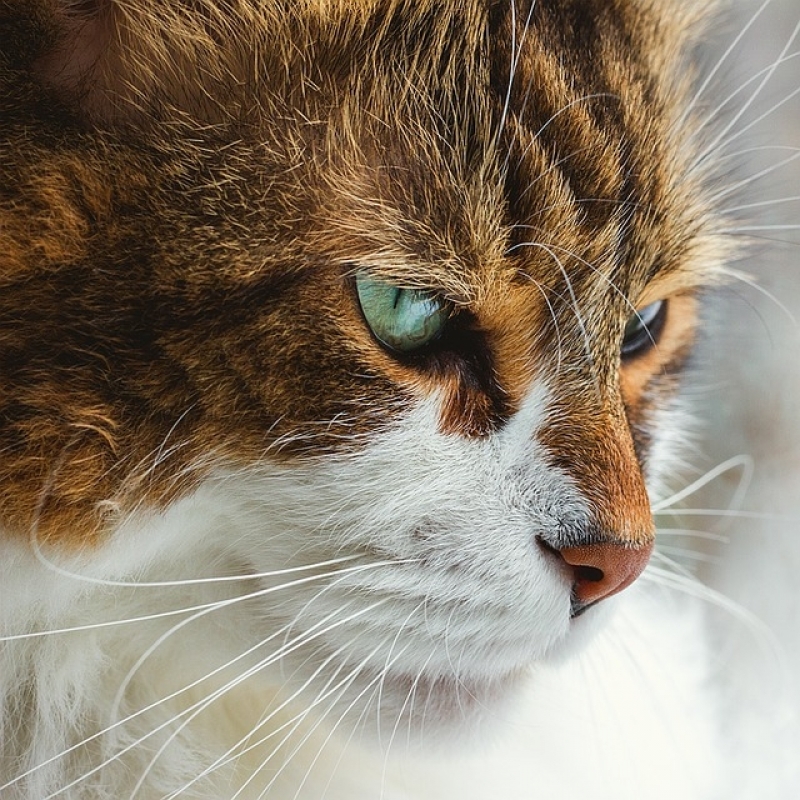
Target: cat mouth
[[577, 608]]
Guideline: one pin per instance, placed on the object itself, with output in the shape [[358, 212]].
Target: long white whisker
[[507, 101], [198, 708], [688, 585], [414, 611], [743, 462], [721, 136], [516, 53], [236, 751], [692, 533], [210, 605], [760, 204], [756, 287], [340, 575], [735, 187], [734, 513], [720, 62], [742, 87], [408, 702], [206, 608], [377, 682], [342, 687], [752, 228], [65, 573]]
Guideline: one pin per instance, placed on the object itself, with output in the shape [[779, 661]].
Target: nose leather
[[602, 569]]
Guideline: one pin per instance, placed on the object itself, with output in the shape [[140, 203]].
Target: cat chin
[[405, 711], [411, 712]]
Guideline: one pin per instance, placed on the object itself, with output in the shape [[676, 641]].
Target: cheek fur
[[440, 532]]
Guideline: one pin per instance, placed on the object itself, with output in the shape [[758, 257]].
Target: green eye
[[403, 320], [643, 329]]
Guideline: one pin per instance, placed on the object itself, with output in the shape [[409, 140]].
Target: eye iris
[[403, 320], [643, 328]]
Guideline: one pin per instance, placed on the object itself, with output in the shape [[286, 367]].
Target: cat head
[[392, 282]]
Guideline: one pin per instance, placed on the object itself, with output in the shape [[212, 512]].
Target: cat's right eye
[[403, 320], [643, 329]]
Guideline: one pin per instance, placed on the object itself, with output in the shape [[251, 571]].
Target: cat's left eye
[[643, 329], [403, 320]]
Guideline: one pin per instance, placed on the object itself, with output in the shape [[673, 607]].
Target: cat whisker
[[746, 128], [691, 105], [577, 101], [103, 625], [377, 679], [556, 327], [609, 281], [456, 671], [677, 578], [238, 750], [688, 554], [199, 707], [389, 661], [736, 187], [742, 277], [723, 139], [108, 582], [340, 575], [738, 155], [201, 607], [162, 453], [546, 124], [542, 175], [761, 204], [341, 687], [408, 703], [709, 119], [691, 533], [606, 279], [507, 101], [728, 513], [587, 348], [751, 228], [743, 462], [212, 605], [115, 706], [375, 698]]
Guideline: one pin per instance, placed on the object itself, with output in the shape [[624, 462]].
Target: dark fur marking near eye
[[461, 359]]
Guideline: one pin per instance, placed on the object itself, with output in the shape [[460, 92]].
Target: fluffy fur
[[248, 551]]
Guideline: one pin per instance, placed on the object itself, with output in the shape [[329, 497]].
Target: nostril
[[588, 574], [600, 569]]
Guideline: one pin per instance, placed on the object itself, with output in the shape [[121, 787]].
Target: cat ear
[[80, 36]]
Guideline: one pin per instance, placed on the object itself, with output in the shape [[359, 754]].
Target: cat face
[[409, 290]]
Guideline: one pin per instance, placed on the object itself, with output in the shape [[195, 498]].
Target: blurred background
[[744, 525]]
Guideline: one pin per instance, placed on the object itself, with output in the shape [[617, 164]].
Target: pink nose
[[602, 569]]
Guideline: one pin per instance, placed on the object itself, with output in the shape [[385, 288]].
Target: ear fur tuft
[[79, 33]]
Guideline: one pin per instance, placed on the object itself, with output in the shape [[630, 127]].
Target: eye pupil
[[643, 329], [402, 320]]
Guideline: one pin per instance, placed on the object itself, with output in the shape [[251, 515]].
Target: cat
[[341, 351]]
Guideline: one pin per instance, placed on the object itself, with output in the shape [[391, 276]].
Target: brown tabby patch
[[187, 187]]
